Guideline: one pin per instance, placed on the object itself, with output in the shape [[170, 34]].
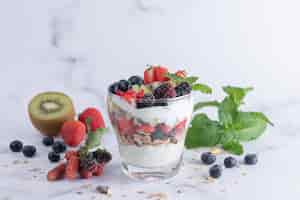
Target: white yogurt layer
[[151, 156], [176, 111]]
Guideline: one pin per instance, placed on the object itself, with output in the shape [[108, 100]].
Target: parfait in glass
[[150, 119]]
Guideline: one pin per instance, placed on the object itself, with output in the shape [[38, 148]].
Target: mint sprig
[[232, 127], [192, 80]]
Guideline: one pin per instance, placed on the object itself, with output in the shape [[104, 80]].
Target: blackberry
[[29, 151], [16, 146], [208, 158], [182, 89], [53, 157], [230, 162], [136, 80], [59, 147], [146, 101], [215, 171], [113, 88], [158, 135], [48, 141], [124, 85], [88, 162], [250, 159], [164, 91], [102, 156]]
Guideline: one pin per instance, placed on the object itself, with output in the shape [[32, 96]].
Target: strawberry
[[165, 128], [73, 133], [145, 128], [181, 73], [70, 154], [179, 128], [85, 174], [140, 94], [99, 170], [72, 167], [95, 116], [149, 75], [57, 173], [160, 73], [125, 126]]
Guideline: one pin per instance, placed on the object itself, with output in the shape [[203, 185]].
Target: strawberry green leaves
[[233, 126], [192, 80]]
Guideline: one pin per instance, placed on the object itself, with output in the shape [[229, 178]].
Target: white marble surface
[[79, 47]]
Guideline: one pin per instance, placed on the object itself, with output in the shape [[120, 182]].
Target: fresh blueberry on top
[[208, 158], [16, 146], [230, 162], [113, 88], [215, 171], [250, 159], [53, 157], [124, 85], [136, 80], [29, 151], [59, 147], [48, 141]]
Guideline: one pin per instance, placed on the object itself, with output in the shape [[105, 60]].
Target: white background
[[79, 47]]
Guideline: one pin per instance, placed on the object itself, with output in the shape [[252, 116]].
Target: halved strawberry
[[149, 75], [145, 128], [125, 126], [160, 73], [85, 174], [181, 124]]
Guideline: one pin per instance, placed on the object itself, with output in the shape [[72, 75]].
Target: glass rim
[[163, 100]]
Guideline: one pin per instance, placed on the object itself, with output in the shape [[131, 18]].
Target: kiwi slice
[[49, 110]]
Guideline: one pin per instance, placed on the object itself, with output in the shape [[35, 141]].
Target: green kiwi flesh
[[49, 110]]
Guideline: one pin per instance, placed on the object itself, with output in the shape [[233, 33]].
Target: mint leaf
[[203, 132], [191, 79], [237, 93], [94, 138], [249, 126], [202, 88], [234, 147], [204, 104], [227, 112], [174, 78]]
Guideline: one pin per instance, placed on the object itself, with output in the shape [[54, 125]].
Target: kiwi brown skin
[[52, 127]]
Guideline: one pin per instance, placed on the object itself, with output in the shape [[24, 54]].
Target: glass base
[[153, 173]]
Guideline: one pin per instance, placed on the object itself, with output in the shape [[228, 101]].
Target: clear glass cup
[[151, 139]]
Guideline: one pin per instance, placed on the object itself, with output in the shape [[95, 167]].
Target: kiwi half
[[49, 110]]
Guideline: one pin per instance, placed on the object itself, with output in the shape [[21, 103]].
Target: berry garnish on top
[[159, 83]]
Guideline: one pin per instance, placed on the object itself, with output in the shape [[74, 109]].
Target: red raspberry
[[57, 173], [99, 170], [95, 116], [72, 167], [181, 73], [85, 174], [73, 133]]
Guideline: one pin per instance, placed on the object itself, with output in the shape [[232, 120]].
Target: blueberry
[[250, 159], [208, 158], [158, 135], [29, 151], [146, 101], [136, 80], [59, 147], [48, 141], [113, 88], [53, 157], [215, 171], [230, 162], [124, 85], [16, 146], [183, 88]]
